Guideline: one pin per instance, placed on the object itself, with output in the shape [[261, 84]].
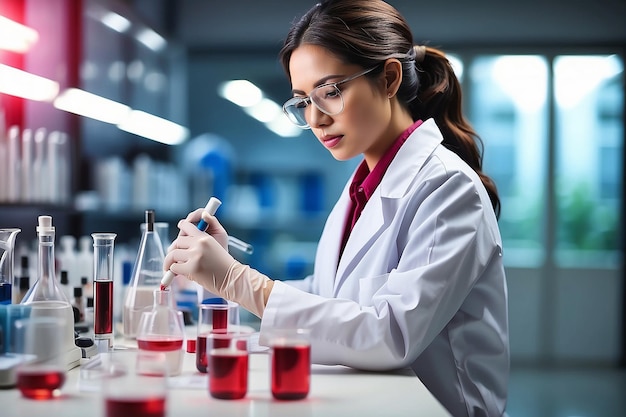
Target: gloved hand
[[198, 256], [214, 227]]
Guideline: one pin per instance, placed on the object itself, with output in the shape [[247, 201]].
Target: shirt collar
[[367, 180]]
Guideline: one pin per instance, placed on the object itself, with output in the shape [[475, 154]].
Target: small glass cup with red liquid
[[40, 342], [214, 316], [136, 385], [227, 355], [162, 329], [290, 358]]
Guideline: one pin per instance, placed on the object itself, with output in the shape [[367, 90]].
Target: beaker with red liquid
[[40, 339], [227, 355], [218, 317], [135, 384], [290, 356]]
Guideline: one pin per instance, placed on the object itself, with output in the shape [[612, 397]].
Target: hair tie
[[420, 53]]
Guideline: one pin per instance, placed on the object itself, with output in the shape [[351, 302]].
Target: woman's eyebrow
[[319, 82]]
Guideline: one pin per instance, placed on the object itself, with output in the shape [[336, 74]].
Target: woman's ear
[[393, 76]]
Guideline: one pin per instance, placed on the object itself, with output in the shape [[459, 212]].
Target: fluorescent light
[[116, 22], [264, 111], [23, 84], [283, 127], [151, 39], [241, 92], [91, 105], [152, 127], [16, 37]]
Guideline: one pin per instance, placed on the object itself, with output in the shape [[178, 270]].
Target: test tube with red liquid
[[103, 289]]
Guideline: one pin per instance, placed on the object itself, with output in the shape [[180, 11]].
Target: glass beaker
[[135, 384], [216, 315], [162, 330], [103, 289], [7, 249], [290, 358], [40, 339], [228, 365], [146, 276]]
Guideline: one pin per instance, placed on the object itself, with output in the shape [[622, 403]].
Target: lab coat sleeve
[[305, 284], [449, 244]]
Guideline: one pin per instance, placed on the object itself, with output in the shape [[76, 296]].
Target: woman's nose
[[316, 117]]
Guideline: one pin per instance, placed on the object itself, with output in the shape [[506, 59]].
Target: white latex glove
[[214, 228], [201, 258]]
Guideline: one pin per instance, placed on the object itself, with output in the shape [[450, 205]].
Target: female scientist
[[408, 270]]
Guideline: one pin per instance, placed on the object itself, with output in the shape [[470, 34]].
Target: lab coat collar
[[395, 183]]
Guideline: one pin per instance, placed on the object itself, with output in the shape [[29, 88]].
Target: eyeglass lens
[[327, 98]]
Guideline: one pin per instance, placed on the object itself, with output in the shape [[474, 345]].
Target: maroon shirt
[[365, 182]]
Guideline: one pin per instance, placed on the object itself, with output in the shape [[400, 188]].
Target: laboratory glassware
[[218, 315], [7, 250], [146, 276], [103, 244], [134, 384], [46, 298], [228, 365], [162, 329], [40, 339], [290, 358]]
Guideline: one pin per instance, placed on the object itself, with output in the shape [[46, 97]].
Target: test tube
[[103, 290]]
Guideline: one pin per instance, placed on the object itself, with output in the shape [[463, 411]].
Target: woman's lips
[[331, 141]]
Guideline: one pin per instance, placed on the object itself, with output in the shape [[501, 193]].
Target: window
[[510, 99]]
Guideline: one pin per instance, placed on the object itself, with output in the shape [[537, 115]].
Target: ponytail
[[439, 97]]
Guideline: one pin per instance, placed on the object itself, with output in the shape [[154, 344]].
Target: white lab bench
[[335, 391]]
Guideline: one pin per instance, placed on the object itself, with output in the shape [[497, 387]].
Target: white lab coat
[[420, 282]]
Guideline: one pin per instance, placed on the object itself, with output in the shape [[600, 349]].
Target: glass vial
[[146, 276], [103, 244]]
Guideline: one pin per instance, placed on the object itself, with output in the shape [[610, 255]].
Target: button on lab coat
[[420, 283]]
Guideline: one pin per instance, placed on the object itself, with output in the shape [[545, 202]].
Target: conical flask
[[7, 250], [161, 329], [46, 298], [146, 277]]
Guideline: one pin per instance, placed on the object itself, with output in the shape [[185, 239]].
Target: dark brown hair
[[367, 33]]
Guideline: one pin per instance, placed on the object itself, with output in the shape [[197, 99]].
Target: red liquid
[[220, 319], [291, 372], [160, 345], [201, 359], [228, 379], [136, 407], [201, 346], [103, 307], [40, 384]]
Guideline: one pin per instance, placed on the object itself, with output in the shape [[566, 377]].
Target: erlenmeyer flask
[[146, 277], [7, 247], [46, 298], [162, 330]]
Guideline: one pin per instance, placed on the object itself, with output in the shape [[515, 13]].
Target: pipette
[[233, 242], [211, 207]]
